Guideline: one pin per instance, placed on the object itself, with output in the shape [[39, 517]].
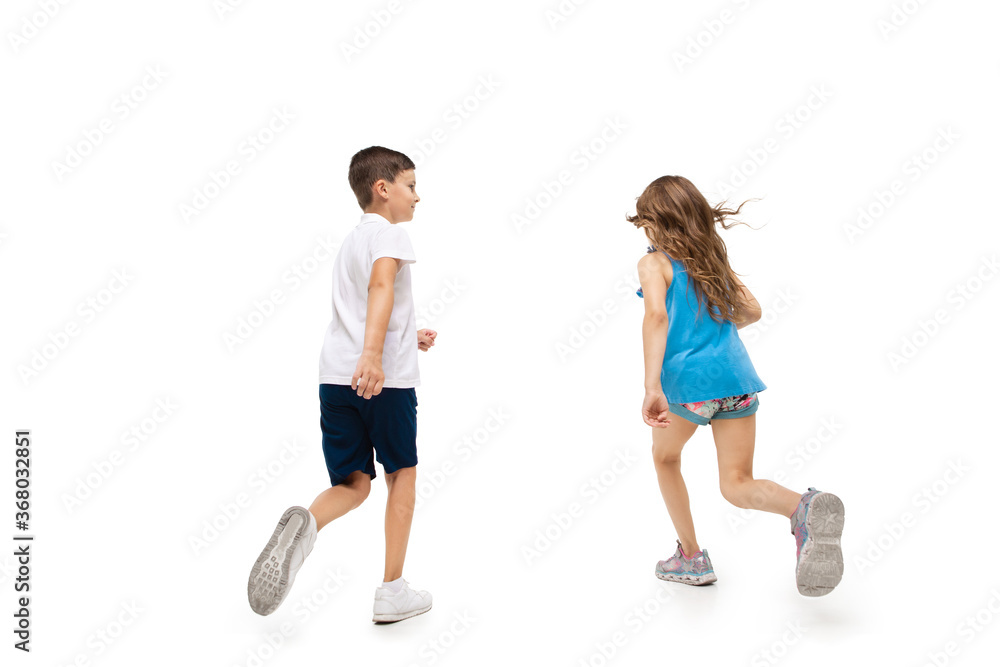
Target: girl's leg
[[667, 445], [341, 499], [734, 442]]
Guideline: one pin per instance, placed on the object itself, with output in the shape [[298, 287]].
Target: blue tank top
[[704, 359]]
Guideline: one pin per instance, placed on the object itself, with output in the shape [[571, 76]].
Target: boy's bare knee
[[363, 490], [405, 476], [402, 490], [360, 484], [402, 504]]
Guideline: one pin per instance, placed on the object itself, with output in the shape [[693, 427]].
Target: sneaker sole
[[821, 563], [699, 580], [268, 582], [392, 618]]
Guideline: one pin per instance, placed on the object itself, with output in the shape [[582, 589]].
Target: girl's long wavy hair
[[679, 221]]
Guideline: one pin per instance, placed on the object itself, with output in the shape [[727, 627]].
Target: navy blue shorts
[[354, 426]]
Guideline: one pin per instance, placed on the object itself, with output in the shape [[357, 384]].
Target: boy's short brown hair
[[371, 164]]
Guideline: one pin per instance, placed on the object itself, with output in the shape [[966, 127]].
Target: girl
[[698, 369]]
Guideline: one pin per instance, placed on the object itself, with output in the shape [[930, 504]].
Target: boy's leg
[[393, 431], [667, 445], [391, 421], [347, 451], [398, 518], [340, 499], [397, 601], [734, 442]]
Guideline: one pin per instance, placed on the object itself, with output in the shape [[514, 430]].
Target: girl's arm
[[753, 311], [654, 321]]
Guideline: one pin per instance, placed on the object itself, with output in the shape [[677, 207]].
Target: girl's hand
[[425, 339], [655, 411]]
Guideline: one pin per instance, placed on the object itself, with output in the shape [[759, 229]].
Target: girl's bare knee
[[731, 487], [665, 457], [667, 460]]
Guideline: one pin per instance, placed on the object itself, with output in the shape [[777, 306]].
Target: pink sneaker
[[696, 570], [817, 524]]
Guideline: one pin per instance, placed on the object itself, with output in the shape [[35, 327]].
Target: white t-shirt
[[344, 341]]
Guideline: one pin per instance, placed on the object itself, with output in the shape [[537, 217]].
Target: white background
[[742, 119]]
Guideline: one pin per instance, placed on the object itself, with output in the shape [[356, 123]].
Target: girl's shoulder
[[657, 262]]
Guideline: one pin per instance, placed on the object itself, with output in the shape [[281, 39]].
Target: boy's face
[[402, 195]]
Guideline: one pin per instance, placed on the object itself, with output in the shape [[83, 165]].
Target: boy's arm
[[368, 376]]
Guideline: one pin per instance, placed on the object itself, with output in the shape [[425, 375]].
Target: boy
[[367, 373]]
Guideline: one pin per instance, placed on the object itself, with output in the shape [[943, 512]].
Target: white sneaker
[[272, 575], [391, 607]]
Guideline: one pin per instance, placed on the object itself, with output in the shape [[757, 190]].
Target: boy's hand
[[368, 376], [425, 339], [655, 411]]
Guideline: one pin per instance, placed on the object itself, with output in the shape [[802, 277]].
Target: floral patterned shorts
[[731, 407]]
